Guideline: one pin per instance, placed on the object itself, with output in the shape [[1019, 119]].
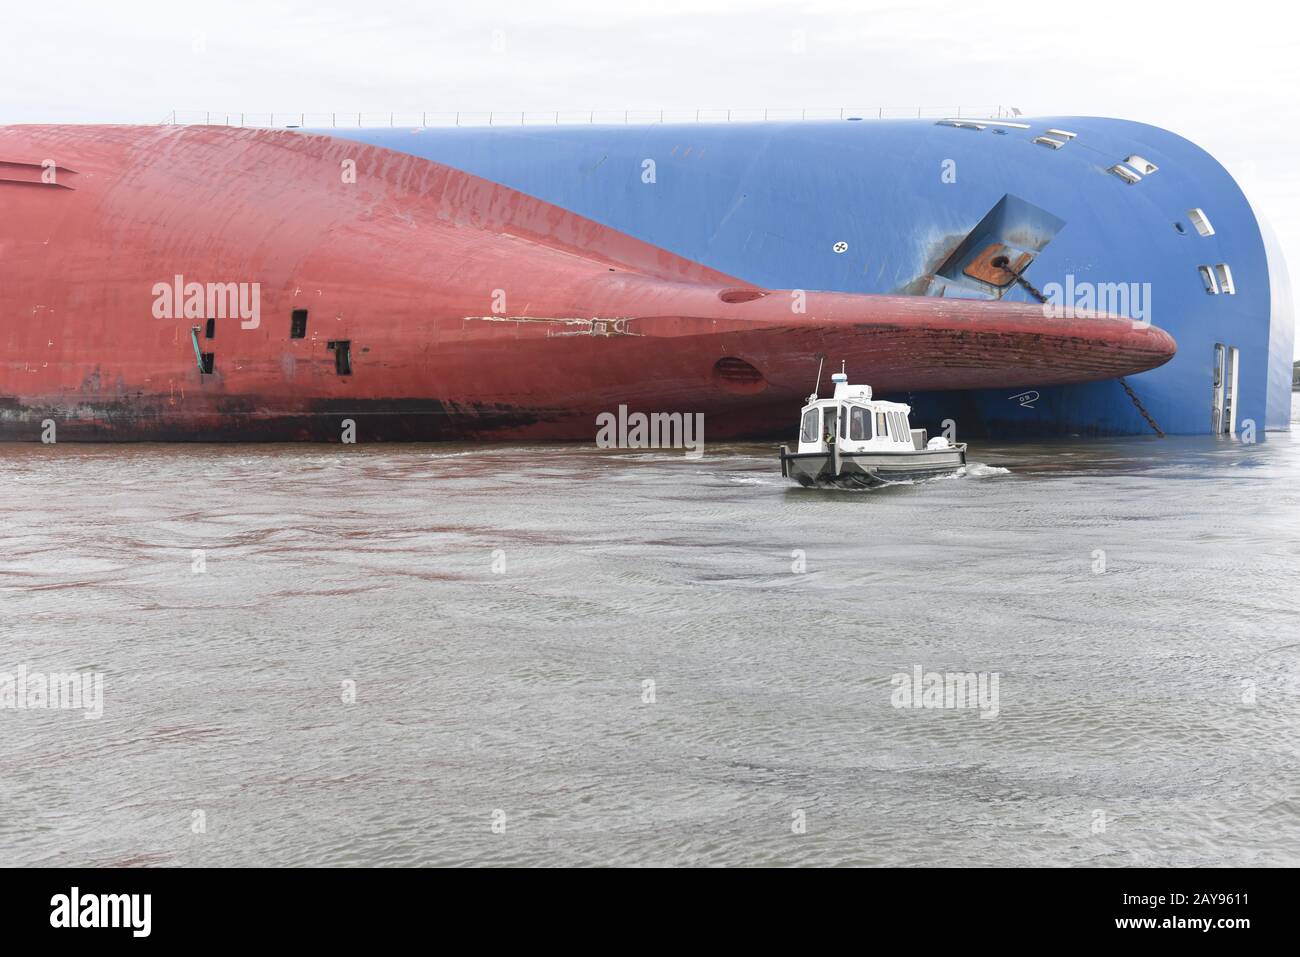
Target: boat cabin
[[857, 422]]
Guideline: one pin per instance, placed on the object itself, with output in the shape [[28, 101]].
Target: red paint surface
[[404, 263]]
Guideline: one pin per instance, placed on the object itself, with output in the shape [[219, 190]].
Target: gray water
[[501, 611]]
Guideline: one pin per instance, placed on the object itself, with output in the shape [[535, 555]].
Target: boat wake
[[980, 470], [735, 479], [972, 470]]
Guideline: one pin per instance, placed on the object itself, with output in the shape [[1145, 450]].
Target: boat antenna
[[817, 386]]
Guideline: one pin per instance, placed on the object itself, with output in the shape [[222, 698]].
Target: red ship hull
[[464, 309]]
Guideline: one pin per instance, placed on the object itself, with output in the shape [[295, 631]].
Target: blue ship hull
[[893, 206]]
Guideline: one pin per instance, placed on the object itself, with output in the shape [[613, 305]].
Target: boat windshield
[[829, 429], [859, 424], [808, 430]]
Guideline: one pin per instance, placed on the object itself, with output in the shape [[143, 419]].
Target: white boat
[[853, 441]]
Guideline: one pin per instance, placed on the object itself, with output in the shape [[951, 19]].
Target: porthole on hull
[[738, 375]]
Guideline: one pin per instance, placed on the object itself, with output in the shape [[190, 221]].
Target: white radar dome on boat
[[938, 442]]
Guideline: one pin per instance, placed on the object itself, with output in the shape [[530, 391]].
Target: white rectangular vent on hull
[[979, 123], [1143, 166], [1133, 169], [1200, 221], [1124, 173]]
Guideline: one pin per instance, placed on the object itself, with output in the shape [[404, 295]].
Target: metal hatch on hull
[[1001, 246]]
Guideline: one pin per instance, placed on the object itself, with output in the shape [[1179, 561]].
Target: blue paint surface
[[770, 202]]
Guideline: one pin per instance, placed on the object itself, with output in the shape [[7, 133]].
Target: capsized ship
[[1081, 207], [211, 283]]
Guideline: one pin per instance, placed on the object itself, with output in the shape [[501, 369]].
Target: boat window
[[896, 427], [808, 431], [1224, 274], [859, 424], [882, 427], [828, 432]]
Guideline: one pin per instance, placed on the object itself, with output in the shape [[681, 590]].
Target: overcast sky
[[1226, 75]]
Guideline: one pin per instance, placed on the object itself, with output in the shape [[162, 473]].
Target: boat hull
[[467, 310], [869, 469], [867, 207]]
